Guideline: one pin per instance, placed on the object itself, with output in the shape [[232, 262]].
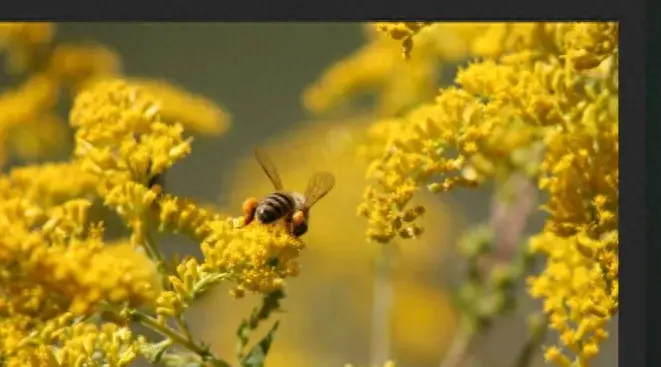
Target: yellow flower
[[78, 64], [183, 216], [84, 343], [45, 135], [29, 124], [62, 253], [335, 250], [120, 134], [52, 184], [257, 257], [541, 99], [376, 67], [21, 40], [194, 112], [26, 104], [579, 295], [588, 44]]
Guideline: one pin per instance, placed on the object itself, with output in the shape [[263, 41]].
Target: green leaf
[[256, 355], [154, 352], [270, 304], [242, 334]]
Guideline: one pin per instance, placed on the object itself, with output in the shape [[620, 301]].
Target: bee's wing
[[269, 168], [319, 185]]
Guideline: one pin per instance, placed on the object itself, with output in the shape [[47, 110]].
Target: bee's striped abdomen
[[274, 207]]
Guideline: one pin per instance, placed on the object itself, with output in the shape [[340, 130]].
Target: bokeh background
[[258, 72]]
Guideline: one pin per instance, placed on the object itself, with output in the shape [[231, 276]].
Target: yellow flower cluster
[[194, 112], [57, 272], [59, 251], [418, 153], [51, 184], [120, 134], [29, 125], [180, 215], [54, 263], [257, 257], [580, 292], [77, 344], [377, 67], [125, 135], [22, 41], [539, 99]]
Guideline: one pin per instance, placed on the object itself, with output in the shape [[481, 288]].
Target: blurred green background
[[258, 72]]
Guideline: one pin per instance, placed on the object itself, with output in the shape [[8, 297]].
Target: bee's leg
[[299, 225], [249, 208]]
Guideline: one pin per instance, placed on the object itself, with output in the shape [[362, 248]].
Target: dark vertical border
[[653, 145], [632, 221], [633, 185]]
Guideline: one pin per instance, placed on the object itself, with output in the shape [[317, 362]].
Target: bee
[[293, 207]]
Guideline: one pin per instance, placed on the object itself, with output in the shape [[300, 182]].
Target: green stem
[[459, 350], [173, 335], [150, 244], [177, 338], [154, 253], [181, 325], [382, 305]]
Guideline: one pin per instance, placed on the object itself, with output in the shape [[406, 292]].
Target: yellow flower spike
[[88, 343], [553, 354], [21, 40], [588, 44], [378, 66], [79, 269], [184, 216], [169, 304], [76, 64], [541, 101], [43, 136], [115, 113], [97, 345], [192, 111], [39, 183], [26, 103], [590, 350], [256, 257], [179, 286], [29, 32], [131, 200]]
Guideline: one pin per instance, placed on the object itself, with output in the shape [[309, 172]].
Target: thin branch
[[459, 349], [508, 221]]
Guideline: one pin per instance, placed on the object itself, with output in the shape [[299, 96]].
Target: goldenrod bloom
[[539, 99]]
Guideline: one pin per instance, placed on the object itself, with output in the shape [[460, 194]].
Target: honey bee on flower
[[292, 207]]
